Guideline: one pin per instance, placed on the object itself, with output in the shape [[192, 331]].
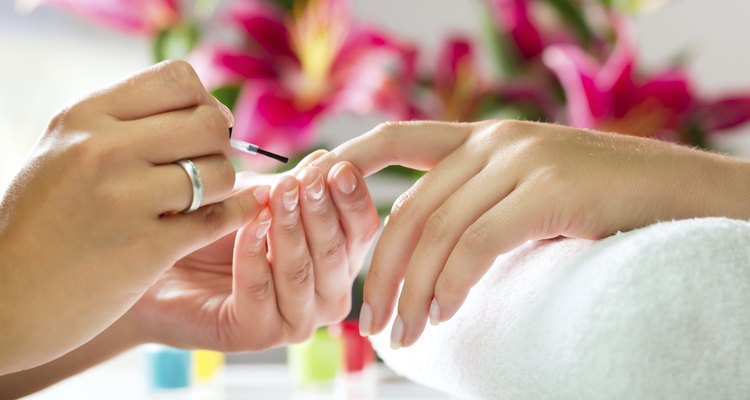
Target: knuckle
[[476, 238], [402, 206], [178, 71], [301, 332], [213, 216], [181, 75], [437, 226], [289, 224], [334, 250], [259, 289], [301, 273], [358, 205]]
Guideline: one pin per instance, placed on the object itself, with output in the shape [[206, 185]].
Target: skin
[[255, 267], [493, 185]]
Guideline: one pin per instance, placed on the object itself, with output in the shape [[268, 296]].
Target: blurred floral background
[[286, 66]]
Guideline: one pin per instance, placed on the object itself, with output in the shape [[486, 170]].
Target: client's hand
[[248, 292], [493, 185]]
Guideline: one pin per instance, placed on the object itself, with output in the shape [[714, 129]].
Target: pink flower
[[295, 69], [134, 16], [611, 96], [458, 84], [514, 18]]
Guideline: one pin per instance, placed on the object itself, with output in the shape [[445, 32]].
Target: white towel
[[662, 312]]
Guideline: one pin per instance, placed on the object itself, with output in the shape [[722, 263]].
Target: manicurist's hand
[[493, 185], [92, 220], [277, 279]]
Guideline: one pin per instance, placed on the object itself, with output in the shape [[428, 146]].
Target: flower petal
[[264, 24], [577, 73]]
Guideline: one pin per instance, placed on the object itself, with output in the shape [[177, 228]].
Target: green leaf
[[572, 14], [696, 136], [504, 54], [227, 95], [175, 43]]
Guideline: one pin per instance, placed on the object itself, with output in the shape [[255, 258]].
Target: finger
[[167, 86], [187, 133], [406, 221], [504, 227], [185, 233], [327, 245], [414, 144], [252, 282], [292, 265], [442, 230], [357, 213], [308, 160], [170, 189]]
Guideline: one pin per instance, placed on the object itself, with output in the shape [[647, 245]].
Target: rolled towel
[[662, 312]]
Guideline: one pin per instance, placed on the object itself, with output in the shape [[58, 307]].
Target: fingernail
[[345, 180], [434, 313], [261, 194], [290, 199], [365, 320], [397, 333], [315, 189], [264, 223]]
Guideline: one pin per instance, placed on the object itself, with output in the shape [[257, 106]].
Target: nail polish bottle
[[166, 367], [317, 361]]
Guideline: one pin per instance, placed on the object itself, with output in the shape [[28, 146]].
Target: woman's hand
[[493, 185], [249, 291], [89, 224]]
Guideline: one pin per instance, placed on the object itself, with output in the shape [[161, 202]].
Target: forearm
[[49, 308], [119, 337]]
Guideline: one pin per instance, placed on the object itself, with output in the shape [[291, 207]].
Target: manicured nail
[[315, 189], [262, 194], [290, 199], [397, 333], [365, 320], [434, 313], [345, 180], [264, 223]]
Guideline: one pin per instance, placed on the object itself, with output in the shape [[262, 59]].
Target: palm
[[187, 306]]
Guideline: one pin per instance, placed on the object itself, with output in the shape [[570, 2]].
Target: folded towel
[[662, 312]]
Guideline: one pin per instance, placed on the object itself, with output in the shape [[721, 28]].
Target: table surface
[[123, 378]]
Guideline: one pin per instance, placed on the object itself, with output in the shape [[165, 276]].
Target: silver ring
[[196, 181]]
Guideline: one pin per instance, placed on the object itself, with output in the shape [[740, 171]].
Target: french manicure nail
[[261, 194], [264, 223], [315, 189], [365, 320], [290, 199], [397, 333], [434, 313], [345, 180]]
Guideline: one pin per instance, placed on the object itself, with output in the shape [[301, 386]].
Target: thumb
[[214, 221]]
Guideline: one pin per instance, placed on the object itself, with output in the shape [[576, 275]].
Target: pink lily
[[296, 69], [514, 18], [133, 16], [611, 96], [458, 84]]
